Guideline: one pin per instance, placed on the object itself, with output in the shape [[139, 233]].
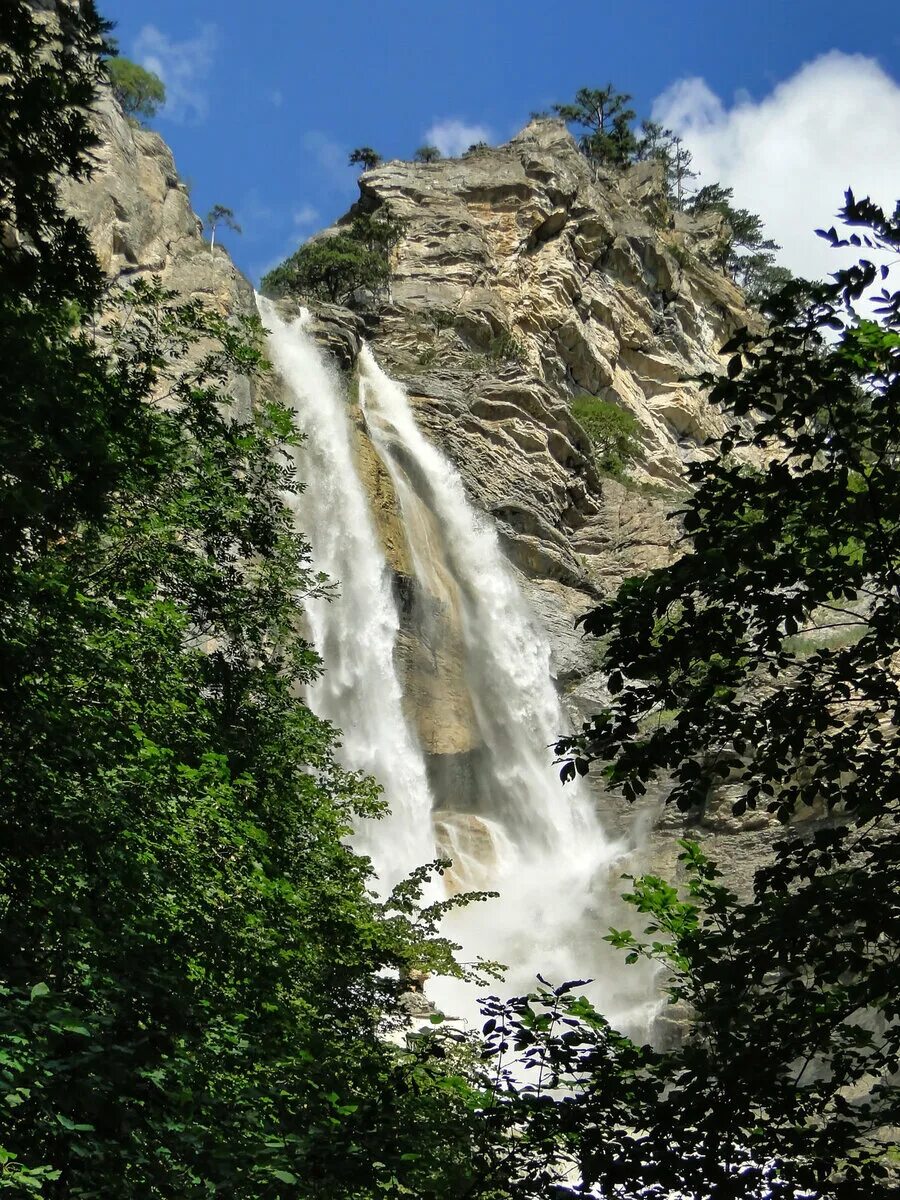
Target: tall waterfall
[[509, 826], [356, 632], [551, 857]]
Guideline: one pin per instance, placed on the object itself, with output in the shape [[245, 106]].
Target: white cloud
[[791, 155], [306, 215], [453, 136], [331, 159], [183, 67], [276, 97]]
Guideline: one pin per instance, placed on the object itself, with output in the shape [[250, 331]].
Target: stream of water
[[356, 632], [512, 827]]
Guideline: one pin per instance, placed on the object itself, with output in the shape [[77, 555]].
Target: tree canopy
[[198, 992], [365, 157], [218, 215], [786, 1083], [606, 118], [755, 268], [333, 268], [139, 91]]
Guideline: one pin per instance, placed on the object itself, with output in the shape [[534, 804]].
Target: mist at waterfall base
[[556, 873]]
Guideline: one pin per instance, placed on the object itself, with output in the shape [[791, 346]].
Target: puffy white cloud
[[453, 136], [791, 155], [183, 67], [306, 215]]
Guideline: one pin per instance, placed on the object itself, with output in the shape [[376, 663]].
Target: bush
[[333, 268], [427, 154], [679, 252], [140, 92], [612, 431], [440, 318], [505, 347], [329, 269]]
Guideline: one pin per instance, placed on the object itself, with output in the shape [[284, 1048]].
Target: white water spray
[[551, 860], [516, 830], [356, 632]]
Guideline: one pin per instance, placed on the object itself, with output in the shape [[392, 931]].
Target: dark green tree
[[334, 268], [605, 116], [139, 91], [197, 990], [427, 154], [379, 231], [330, 269], [712, 197], [218, 215], [786, 1084], [742, 250], [653, 142], [679, 171], [613, 432], [365, 157]]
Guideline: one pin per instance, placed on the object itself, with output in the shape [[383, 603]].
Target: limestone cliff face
[[139, 216], [523, 279]]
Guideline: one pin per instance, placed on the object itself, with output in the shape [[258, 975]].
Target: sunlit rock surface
[[524, 279]]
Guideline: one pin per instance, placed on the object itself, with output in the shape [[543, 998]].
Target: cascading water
[[356, 632], [551, 860], [540, 847]]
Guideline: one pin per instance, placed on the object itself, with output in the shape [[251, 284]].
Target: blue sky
[[266, 100]]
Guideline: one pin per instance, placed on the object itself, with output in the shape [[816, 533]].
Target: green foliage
[[610, 140], [755, 270], [196, 986], [139, 91], [439, 318], [427, 154], [604, 114], [46, 89], [793, 990], [613, 433], [505, 347], [378, 231], [333, 268], [679, 252], [365, 157], [328, 268]]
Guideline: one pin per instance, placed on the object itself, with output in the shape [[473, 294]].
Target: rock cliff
[[524, 278]]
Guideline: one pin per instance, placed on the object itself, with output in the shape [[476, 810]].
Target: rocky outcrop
[[139, 216], [138, 212], [525, 278]]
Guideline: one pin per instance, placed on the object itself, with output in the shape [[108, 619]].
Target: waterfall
[[550, 860], [509, 825], [356, 632]]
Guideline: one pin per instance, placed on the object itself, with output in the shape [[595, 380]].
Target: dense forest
[[200, 993]]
